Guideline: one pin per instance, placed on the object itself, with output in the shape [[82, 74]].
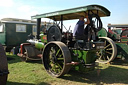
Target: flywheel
[[54, 34]]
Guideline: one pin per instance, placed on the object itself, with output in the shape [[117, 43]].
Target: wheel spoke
[[52, 50], [109, 49], [107, 46], [51, 63], [98, 52], [59, 66], [100, 57], [60, 55], [108, 58], [56, 68], [53, 68], [108, 52], [50, 56], [57, 52], [60, 58], [105, 42]]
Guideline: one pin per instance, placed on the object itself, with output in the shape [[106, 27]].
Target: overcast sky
[[24, 9]]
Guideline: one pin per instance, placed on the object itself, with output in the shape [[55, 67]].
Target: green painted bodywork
[[122, 50], [102, 33], [88, 57], [122, 45], [124, 40], [74, 13], [43, 38], [39, 45]]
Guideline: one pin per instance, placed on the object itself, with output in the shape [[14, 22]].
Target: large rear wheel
[[56, 55], [109, 52]]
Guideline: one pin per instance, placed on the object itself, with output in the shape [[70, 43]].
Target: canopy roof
[[75, 13]]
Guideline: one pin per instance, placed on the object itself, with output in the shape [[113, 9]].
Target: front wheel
[[109, 52], [56, 55]]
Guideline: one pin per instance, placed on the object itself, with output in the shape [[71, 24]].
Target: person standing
[[78, 32]]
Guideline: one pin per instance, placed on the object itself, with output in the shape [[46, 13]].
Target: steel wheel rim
[[109, 52], [55, 59]]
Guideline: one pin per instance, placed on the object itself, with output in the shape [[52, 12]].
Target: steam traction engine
[[59, 50], [117, 46]]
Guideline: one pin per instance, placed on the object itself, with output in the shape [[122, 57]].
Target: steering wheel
[[93, 27], [95, 22]]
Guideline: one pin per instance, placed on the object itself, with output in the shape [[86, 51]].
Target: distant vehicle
[[117, 49], [14, 31]]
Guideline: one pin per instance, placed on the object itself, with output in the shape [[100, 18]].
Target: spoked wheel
[[109, 52], [56, 55], [95, 22]]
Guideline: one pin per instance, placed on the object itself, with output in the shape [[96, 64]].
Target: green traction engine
[[117, 46], [59, 50]]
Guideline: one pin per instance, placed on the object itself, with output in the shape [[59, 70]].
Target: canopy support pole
[[61, 23], [38, 27]]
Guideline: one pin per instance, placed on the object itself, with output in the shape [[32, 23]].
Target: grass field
[[33, 73]]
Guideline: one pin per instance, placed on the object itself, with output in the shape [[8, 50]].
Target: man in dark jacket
[[79, 28]]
